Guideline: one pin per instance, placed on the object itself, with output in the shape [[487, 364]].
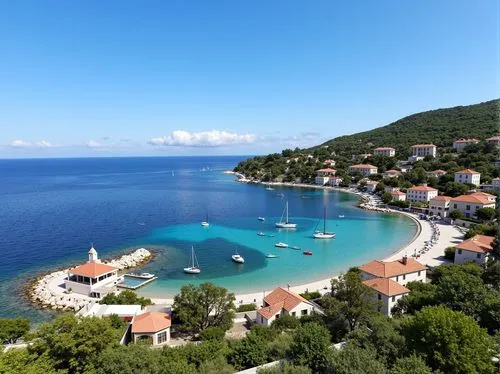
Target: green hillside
[[440, 127]]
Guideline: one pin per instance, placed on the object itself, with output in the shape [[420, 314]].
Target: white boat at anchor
[[324, 234], [238, 258], [261, 218], [281, 245], [285, 223], [205, 222], [195, 267], [270, 255]]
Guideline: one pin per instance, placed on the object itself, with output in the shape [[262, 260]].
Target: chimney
[[405, 260]]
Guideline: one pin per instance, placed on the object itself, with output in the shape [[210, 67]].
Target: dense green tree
[[126, 297], [206, 305], [285, 368], [249, 352], [216, 366], [310, 347], [412, 364], [386, 197], [454, 189], [486, 214], [354, 360], [132, 359], [20, 361], [212, 333], [456, 214], [286, 322], [279, 348], [470, 268], [422, 294], [449, 341], [12, 329], [491, 274]]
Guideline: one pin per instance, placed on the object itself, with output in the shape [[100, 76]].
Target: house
[[125, 312], [93, 279], [495, 183], [153, 327], [400, 271], [439, 206], [420, 193], [422, 150], [363, 169], [371, 186], [386, 293], [494, 140], [475, 249], [362, 156], [436, 173], [392, 173], [469, 204], [384, 151], [468, 176], [282, 302], [335, 181], [323, 176], [329, 163], [460, 144], [390, 189], [398, 196]]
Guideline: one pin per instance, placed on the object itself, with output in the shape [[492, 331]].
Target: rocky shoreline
[[46, 291]]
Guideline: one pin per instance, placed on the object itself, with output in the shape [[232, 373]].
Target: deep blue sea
[[51, 210]]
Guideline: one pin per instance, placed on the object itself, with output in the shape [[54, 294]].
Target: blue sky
[[102, 78]]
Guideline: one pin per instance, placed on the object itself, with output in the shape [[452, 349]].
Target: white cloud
[[213, 138], [93, 144], [19, 143], [43, 144]]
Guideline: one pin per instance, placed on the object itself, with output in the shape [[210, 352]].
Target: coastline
[[433, 257]]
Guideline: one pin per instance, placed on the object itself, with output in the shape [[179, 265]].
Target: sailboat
[[205, 222], [194, 268], [285, 224], [324, 234], [237, 257]]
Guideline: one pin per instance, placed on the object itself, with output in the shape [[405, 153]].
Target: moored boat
[[285, 223], [195, 267], [236, 257], [270, 255], [308, 253], [261, 233], [281, 245], [323, 234], [261, 218]]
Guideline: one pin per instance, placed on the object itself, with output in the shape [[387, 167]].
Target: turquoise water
[[133, 282]]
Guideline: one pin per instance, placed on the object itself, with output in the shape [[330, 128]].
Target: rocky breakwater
[[48, 290]]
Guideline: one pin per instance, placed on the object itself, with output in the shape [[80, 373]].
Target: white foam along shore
[[431, 255], [49, 292]]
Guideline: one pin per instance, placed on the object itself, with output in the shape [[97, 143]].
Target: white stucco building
[[436, 173], [422, 150], [363, 169], [440, 206], [371, 186], [398, 196], [475, 249], [401, 271], [335, 181], [422, 193], [494, 140], [468, 176], [469, 204], [384, 151], [495, 183], [282, 302], [392, 173], [460, 144], [93, 279], [323, 176], [152, 327], [386, 293]]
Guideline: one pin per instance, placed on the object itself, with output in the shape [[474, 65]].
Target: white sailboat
[[237, 258], [285, 224], [195, 267], [205, 222], [324, 234], [281, 245]]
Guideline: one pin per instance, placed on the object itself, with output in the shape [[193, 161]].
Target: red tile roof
[[383, 269], [476, 198], [280, 299], [422, 145], [363, 166], [496, 138], [327, 170], [478, 244], [384, 149], [150, 322], [386, 286], [397, 193], [92, 269], [421, 188], [466, 171], [441, 198], [466, 140], [393, 171]]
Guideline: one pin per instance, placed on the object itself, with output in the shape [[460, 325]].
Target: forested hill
[[440, 127]]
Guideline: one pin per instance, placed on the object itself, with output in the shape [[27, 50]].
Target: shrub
[[212, 333], [449, 253], [247, 307], [311, 295]]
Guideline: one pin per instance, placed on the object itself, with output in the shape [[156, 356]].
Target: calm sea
[[51, 210]]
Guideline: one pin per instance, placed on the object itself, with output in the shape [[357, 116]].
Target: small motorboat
[[261, 233], [341, 216], [281, 245], [269, 188], [237, 258], [308, 253], [295, 247], [270, 255], [271, 235], [261, 218]]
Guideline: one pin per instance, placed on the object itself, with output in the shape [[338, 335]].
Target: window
[[393, 298], [397, 278], [467, 207], [455, 206], [303, 312], [294, 314], [419, 273], [459, 251], [379, 296], [478, 255], [162, 337], [404, 276]]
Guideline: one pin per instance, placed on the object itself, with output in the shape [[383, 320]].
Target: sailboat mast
[[324, 221], [286, 211]]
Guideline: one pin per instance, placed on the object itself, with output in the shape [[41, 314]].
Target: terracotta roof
[[476, 198], [393, 171], [364, 166], [269, 311], [386, 286], [438, 171], [290, 300], [391, 269], [441, 198], [327, 170], [373, 183], [466, 171], [478, 244], [421, 188], [494, 138], [92, 269], [150, 322], [383, 149], [397, 193], [466, 140], [422, 145]]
